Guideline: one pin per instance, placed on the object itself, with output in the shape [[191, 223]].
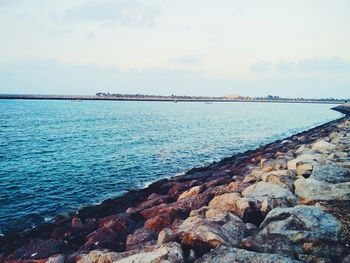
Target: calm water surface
[[56, 156]]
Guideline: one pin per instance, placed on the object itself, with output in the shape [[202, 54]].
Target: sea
[[59, 156]]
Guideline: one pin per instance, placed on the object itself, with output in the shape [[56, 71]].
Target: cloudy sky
[[294, 48]]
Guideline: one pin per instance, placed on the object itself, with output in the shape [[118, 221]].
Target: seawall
[[288, 201]]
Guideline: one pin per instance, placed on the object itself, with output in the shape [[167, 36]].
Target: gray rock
[[269, 196], [311, 190], [230, 254], [170, 252], [296, 230], [211, 232], [330, 173]]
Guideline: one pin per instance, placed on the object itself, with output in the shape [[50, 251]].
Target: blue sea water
[[57, 156]]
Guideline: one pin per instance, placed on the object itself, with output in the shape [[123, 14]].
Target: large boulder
[[269, 196], [311, 190], [297, 230], [330, 173], [231, 254], [205, 233]]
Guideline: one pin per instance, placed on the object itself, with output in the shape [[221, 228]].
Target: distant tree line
[[267, 98]]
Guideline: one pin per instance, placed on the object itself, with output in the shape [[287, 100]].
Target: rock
[[120, 224], [76, 223], [286, 231], [330, 173], [91, 224], [292, 164], [56, 259], [273, 164], [323, 146], [179, 188], [152, 201], [310, 190], [179, 209], [107, 256], [99, 256], [170, 252], [230, 254], [191, 192], [38, 249], [269, 196], [165, 236], [226, 202], [304, 168], [203, 234], [104, 238], [283, 178], [159, 222], [141, 235]]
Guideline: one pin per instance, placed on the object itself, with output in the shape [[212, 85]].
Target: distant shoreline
[[160, 99]]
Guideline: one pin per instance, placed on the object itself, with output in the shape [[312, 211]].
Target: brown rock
[[159, 222]]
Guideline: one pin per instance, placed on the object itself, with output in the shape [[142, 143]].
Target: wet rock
[[310, 190], [287, 230], [269, 196], [203, 234], [330, 173], [76, 223], [191, 192], [323, 146], [141, 235], [91, 224], [120, 224], [104, 238], [230, 254], [152, 201], [38, 249], [170, 252]]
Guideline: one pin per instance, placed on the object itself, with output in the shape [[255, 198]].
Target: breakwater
[[271, 203]]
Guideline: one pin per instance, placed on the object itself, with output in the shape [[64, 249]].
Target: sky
[[290, 48]]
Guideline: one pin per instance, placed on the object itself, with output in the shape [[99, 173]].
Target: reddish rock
[[179, 188], [38, 249], [153, 211], [141, 235], [103, 238], [159, 222], [91, 224], [219, 181], [153, 200], [120, 224], [76, 223]]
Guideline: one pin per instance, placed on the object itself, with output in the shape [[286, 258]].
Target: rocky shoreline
[[288, 201]]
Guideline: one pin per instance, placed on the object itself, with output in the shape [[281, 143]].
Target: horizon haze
[[249, 48]]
